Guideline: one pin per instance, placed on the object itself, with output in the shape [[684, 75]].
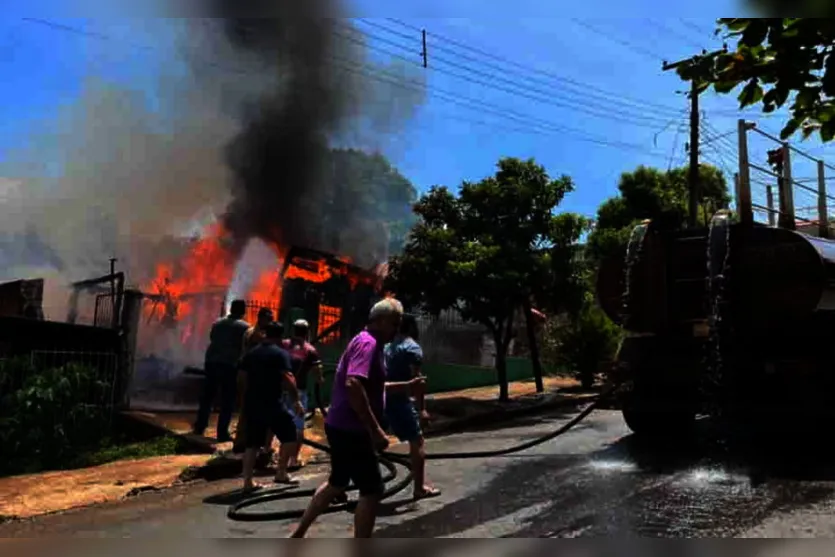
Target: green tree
[[366, 193], [649, 193], [492, 249], [778, 60]]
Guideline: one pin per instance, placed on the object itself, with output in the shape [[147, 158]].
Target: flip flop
[[428, 494], [286, 481]]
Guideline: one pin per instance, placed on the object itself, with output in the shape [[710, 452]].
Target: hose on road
[[390, 461]]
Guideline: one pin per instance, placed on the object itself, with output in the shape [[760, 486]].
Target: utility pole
[[695, 140], [425, 52]]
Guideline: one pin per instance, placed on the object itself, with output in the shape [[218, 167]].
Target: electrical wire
[[502, 83], [528, 73], [623, 42], [451, 97]]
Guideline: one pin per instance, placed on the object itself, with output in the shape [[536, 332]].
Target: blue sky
[[618, 57]]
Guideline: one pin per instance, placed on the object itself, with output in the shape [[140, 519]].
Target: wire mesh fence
[[449, 339], [102, 390]]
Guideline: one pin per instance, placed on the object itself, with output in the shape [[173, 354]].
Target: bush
[[582, 343], [47, 416]]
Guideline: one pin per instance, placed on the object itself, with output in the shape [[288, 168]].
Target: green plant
[[52, 415], [583, 342]]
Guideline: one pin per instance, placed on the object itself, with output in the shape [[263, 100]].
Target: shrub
[[582, 343], [48, 415]]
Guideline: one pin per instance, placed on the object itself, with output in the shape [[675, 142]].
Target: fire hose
[[390, 461]]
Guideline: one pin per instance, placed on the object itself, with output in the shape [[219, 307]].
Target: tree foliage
[[365, 193], [649, 193], [493, 247], [776, 61]]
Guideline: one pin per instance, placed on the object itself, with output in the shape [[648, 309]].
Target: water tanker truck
[[736, 320]]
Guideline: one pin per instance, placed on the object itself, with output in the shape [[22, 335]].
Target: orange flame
[[188, 295]]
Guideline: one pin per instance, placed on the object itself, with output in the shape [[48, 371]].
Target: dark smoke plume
[[278, 158]]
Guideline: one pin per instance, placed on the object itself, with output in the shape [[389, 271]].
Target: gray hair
[[387, 307]]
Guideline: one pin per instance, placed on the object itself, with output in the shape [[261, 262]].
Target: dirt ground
[[37, 494]]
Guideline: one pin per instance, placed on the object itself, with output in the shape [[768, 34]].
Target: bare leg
[[250, 456], [365, 517], [295, 458], [418, 457], [285, 451], [417, 451], [319, 504]]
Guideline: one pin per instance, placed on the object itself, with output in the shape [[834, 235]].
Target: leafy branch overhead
[[777, 62]]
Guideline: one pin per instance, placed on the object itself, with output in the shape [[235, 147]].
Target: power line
[[639, 112], [623, 42], [694, 27], [585, 88], [533, 93], [672, 33], [539, 125]]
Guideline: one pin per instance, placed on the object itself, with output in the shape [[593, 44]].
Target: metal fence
[[328, 329], [106, 365], [782, 185], [447, 338], [254, 306]]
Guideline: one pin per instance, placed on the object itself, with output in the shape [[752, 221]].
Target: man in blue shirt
[[404, 358], [268, 373], [221, 366]]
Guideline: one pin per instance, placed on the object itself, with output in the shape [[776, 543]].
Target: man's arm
[[314, 363], [289, 380]]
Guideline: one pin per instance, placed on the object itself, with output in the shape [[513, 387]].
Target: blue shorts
[[287, 402], [404, 421]]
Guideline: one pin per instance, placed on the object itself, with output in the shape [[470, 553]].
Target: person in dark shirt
[[253, 337], [221, 366], [268, 373], [306, 361]]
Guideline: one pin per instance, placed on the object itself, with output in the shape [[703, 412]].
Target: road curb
[[494, 418]]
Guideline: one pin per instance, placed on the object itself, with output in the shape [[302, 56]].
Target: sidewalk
[[29, 496]]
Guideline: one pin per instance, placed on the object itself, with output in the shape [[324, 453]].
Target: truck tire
[[646, 420]]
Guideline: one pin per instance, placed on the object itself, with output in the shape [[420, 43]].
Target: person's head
[[409, 326], [238, 309], [301, 330], [265, 317], [385, 318], [274, 332]]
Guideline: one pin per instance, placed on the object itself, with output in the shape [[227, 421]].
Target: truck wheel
[[646, 421]]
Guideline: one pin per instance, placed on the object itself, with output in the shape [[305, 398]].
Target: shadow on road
[[695, 487]]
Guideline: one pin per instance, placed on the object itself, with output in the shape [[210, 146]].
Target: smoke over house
[[244, 135]]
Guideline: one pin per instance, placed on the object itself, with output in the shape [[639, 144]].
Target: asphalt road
[[595, 481]]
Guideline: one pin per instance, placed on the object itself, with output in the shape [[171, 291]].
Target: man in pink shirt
[[353, 425]]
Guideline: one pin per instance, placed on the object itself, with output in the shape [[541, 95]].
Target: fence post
[[769, 193], [787, 216], [743, 202], [823, 206]]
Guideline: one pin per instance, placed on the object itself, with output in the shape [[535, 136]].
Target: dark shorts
[[354, 461], [404, 421], [279, 422]]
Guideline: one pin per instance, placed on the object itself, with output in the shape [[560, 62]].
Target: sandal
[[286, 481], [427, 493]]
